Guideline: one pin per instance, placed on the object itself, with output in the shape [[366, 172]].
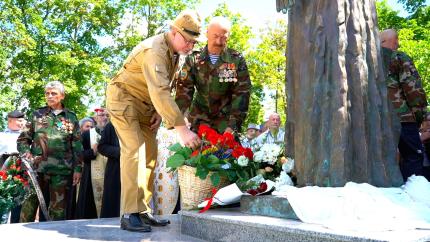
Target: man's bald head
[[389, 39]]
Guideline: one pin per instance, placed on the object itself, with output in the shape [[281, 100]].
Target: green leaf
[[176, 147], [213, 166], [201, 172], [185, 151], [215, 179], [175, 161], [213, 159]]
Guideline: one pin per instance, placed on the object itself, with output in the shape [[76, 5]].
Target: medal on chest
[[227, 73]]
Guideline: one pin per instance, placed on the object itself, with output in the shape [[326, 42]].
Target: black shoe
[[134, 224], [147, 218]]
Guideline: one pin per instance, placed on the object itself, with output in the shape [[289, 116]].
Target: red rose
[[204, 130], [238, 151], [228, 139], [248, 153], [214, 138], [253, 192], [3, 175], [262, 187], [196, 152]]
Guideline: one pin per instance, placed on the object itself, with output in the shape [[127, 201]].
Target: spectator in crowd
[[425, 138], [408, 100], [101, 117], [91, 187], [86, 124], [251, 134], [15, 124], [220, 78], [273, 134], [109, 147], [52, 141]]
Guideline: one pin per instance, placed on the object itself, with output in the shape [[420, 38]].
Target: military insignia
[[65, 126], [183, 74]]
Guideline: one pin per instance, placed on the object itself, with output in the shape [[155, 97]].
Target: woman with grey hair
[[52, 141], [86, 124]]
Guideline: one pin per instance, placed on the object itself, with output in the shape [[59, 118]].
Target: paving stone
[[90, 230]]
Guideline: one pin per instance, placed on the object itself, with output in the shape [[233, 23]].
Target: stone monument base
[[272, 206]]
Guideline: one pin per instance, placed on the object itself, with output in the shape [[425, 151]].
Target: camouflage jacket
[[222, 90], [404, 86], [54, 141]]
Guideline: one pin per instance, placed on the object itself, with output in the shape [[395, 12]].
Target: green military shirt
[[214, 94], [55, 140], [404, 86]]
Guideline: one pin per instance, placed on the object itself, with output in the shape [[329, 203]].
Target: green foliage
[[387, 17], [78, 42], [267, 64], [412, 5], [145, 19]]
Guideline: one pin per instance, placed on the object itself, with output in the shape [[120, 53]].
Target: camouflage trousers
[[55, 189]]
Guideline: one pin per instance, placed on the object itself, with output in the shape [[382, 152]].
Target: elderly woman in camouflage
[[52, 141]]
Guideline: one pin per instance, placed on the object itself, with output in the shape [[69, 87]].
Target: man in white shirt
[[273, 135], [15, 123]]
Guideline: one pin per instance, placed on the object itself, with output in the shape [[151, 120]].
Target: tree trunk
[[339, 125]]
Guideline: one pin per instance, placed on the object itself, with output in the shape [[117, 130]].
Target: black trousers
[[411, 149]]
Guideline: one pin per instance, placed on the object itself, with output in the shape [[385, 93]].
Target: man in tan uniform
[[136, 97]]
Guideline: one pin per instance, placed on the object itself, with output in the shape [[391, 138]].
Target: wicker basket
[[193, 189]]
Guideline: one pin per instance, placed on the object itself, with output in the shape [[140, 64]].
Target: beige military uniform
[[141, 87]]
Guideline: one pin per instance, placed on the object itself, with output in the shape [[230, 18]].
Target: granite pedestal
[[232, 225], [272, 206]]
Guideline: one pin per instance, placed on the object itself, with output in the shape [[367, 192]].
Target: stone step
[[106, 229], [229, 224]]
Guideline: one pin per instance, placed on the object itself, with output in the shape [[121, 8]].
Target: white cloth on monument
[[166, 186], [362, 207], [8, 141]]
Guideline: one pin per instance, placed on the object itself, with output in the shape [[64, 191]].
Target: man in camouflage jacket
[[52, 140], [221, 80], [408, 100]]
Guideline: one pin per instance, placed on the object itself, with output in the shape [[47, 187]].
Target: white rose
[[242, 161], [258, 156]]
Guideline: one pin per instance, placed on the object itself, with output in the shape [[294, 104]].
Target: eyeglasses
[[188, 42]]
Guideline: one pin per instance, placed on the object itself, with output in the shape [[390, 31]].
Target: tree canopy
[[42, 41]]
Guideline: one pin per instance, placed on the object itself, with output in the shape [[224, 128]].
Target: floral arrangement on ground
[[14, 186]]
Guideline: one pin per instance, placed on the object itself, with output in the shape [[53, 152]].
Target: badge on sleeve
[[183, 74]]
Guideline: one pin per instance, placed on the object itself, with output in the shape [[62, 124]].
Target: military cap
[[252, 126], [188, 23], [15, 114]]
